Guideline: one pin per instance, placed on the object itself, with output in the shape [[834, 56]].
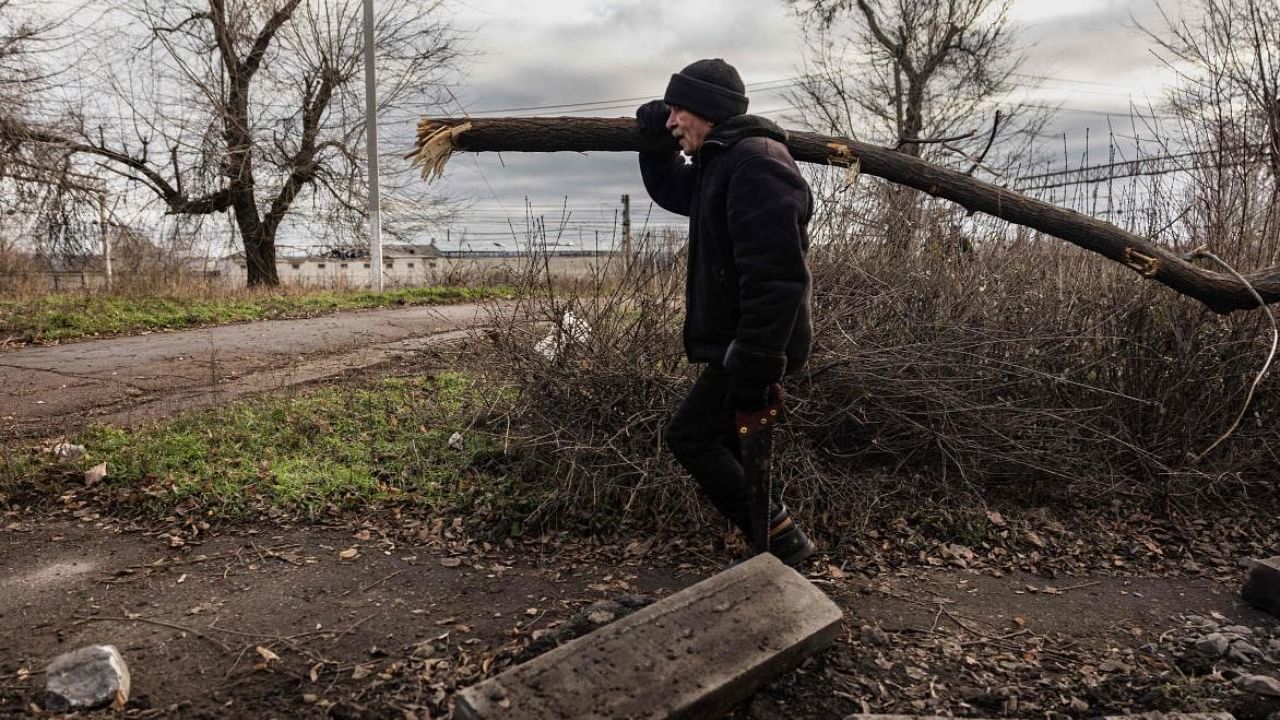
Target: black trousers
[[701, 436]]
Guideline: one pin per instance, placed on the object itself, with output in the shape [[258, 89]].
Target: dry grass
[[1019, 370]]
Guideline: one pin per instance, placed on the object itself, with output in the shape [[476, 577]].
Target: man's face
[[689, 129]]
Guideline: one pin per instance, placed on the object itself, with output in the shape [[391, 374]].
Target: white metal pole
[[371, 132], [106, 239]]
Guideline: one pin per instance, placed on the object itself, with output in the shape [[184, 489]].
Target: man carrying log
[[747, 295]]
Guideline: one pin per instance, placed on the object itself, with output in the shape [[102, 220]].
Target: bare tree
[[927, 74], [249, 107], [46, 202], [911, 69], [1227, 100]]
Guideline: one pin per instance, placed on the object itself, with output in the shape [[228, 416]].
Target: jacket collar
[[740, 127]]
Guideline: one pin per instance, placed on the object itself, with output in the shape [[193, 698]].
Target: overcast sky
[[531, 54]]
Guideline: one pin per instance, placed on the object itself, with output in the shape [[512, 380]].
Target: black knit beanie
[[710, 88]]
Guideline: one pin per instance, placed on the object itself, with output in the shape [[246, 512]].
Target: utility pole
[[106, 239], [371, 137], [626, 230]]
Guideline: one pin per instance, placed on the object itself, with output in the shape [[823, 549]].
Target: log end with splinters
[[436, 142]]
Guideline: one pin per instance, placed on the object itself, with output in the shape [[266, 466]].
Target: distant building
[[406, 265], [411, 265]]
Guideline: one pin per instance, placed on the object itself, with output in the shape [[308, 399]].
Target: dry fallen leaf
[[95, 474], [349, 554], [451, 562], [639, 548], [266, 654], [836, 572]]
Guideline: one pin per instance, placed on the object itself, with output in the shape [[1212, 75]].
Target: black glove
[[652, 116], [747, 395]]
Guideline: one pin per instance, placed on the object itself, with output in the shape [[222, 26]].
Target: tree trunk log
[[1221, 292]]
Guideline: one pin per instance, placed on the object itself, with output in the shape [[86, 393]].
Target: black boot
[[787, 541]]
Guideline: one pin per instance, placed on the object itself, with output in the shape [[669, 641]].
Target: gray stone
[[67, 451], [876, 636], [1240, 658], [1213, 645], [90, 677], [693, 654], [1258, 684], [1262, 587], [1245, 648], [600, 617], [1240, 630]]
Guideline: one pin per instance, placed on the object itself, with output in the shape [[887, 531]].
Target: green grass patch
[[66, 316], [322, 451]]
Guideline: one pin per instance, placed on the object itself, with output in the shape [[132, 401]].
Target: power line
[[1141, 167], [750, 86]]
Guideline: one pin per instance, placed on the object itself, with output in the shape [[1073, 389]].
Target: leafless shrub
[[1021, 368], [598, 364]]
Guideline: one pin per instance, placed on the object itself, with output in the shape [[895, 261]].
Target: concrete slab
[[693, 654], [1262, 587], [1172, 716], [1140, 716]]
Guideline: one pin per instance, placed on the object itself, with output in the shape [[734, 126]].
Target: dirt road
[[365, 623], [48, 391]]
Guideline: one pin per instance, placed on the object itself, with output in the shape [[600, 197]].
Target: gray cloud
[[573, 51]]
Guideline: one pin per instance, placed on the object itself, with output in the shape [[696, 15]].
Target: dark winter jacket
[[747, 298]]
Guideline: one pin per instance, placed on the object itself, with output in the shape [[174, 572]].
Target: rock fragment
[[1258, 684], [1213, 644], [90, 677], [1262, 587]]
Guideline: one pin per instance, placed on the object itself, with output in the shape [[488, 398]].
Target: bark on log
[[1221, 292]]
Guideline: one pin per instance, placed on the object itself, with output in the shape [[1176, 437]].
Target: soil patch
[[265, 619]]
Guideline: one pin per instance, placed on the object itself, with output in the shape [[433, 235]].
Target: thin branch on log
[[991, 139], [933, 141], [1221, 292]]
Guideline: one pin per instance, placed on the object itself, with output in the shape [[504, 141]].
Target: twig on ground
[[148, 621], [987, 639], [1080, 586], [344, 633], [373, 584]]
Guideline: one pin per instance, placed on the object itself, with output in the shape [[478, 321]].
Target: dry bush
[[599, 366], [989, 363], [1030, 365]]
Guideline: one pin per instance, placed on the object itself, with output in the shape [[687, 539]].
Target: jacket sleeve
[[768, 208], [668, 179]]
